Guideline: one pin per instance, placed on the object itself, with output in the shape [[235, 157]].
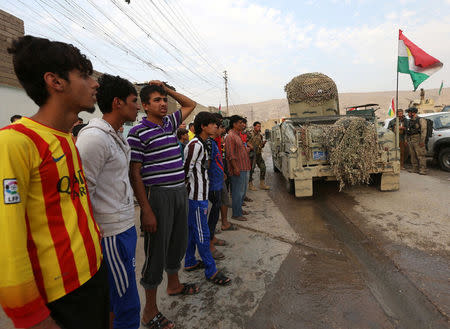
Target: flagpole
[[397, 146]]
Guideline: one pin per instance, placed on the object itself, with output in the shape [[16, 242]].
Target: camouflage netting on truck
[[353, 148], [311, 88]]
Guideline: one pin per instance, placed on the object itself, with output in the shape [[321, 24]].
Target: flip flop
[[159, 321], [221, 243], [220, 279], [232, 227], [188, 289], [199, 266], [217, 254]]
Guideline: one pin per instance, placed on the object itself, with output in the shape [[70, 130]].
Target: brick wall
[[11, 28]]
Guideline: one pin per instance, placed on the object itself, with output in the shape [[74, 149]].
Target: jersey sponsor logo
[[11, 191], [74, 186], [58, 158]]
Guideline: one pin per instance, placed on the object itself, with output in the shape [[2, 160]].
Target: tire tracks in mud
[[405, 303]]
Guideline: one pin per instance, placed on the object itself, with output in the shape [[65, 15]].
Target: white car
[[439, 144]]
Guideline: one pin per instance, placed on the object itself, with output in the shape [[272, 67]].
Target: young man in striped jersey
[[197, 182], [52, 274], [106, 158], [157, 177]]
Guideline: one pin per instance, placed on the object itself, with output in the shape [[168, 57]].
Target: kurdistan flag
[[414, 61], [391, 112]]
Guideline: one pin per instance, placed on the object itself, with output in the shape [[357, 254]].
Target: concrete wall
[[14, 101]]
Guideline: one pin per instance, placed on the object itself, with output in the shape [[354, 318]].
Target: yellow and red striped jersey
[[49, 241]]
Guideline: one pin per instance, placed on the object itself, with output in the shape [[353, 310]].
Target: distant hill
[[277, 108]]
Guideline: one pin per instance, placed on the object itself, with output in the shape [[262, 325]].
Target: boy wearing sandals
[[197, 183], [157, 178]]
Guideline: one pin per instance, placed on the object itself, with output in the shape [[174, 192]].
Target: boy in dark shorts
[[157, 178]]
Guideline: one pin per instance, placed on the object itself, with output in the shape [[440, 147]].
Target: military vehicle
[[298, 151], [425, 105]]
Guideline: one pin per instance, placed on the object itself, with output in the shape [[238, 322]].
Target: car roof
[[432, 114]]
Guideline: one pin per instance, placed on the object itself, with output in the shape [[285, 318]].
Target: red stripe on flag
[[82, 217], [32, 253], [421, 58], [56, 224]]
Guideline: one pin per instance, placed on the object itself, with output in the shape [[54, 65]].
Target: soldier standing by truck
[[256, 140], [416, 130], [402, 122]]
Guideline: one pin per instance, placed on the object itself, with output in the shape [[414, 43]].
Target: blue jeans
[[239, 186]]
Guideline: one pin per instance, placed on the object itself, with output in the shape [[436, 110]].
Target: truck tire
[[290, 186], [444, 158], [275, 169]]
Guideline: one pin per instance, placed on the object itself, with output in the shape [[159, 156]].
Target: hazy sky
[[261, 43]]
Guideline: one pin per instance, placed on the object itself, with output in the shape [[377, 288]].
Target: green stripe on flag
[[417, 78], [403, 65]]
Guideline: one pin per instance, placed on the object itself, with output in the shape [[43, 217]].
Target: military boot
[[251, 187], [263, 186]]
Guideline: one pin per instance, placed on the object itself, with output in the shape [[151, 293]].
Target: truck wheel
[[290, 186], [444, 158], [275, 169]]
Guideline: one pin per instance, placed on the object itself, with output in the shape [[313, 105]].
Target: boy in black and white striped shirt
[[196, 171]]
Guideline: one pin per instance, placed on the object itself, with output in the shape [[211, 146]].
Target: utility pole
[[226, 88]]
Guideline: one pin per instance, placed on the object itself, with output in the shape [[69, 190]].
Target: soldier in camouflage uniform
[[416, 131], [257, 142]]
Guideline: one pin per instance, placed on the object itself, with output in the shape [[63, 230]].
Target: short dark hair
[[33, 57], [111, 87], [181, 132], [235, 118], [203, 119], [148, 90], [15, 117], [77, 128], [80, 119], [412, 109], [190, 125], [219, 118], [244, 120], [256, 123]]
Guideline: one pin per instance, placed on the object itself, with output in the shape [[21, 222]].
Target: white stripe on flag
[[402, 49]]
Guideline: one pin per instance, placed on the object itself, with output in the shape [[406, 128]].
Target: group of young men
[[68, 238], [68, 243]]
